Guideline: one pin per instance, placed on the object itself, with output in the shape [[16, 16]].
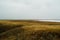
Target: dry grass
[[29, 30]]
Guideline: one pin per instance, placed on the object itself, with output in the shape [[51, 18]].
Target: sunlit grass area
[[29, 30]]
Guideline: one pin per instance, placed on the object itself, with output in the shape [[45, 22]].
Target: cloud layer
[[29, 9]]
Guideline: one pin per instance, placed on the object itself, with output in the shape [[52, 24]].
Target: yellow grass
[[33, 25]]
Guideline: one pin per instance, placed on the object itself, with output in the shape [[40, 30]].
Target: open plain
[[29, 30]]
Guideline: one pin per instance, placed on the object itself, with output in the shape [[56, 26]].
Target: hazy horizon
[[29, 9]]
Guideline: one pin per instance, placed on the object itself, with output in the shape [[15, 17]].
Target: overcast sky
[[29, 9]]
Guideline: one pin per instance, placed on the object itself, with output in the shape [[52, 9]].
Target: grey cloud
[[29, 9]]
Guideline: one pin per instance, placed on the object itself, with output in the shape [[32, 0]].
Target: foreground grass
[[29, 30]]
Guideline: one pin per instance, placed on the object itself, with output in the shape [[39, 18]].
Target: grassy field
[[29, 30]]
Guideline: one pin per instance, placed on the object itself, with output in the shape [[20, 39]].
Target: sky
[[29, 9]]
